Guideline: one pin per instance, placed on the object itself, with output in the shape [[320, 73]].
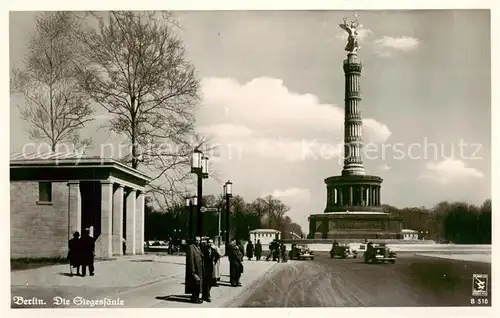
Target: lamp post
[[199, 166], [228, 192], [190, 202]]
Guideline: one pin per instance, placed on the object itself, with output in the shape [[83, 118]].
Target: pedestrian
[[283, 252], [271, 251], [87, 245], [235, 263], [240, 246], [220, 251], [210, 257], [258, 250], [250, 250], [276, 250], [74, 253], [216, 262], [194, 270]]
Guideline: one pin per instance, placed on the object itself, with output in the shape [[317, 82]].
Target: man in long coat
[[210, 257], [74, 253], [194, 271], [249, 250], [87, 246], [258, 250], [235, 263]]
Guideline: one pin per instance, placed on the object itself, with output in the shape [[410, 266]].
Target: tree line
[[456, 222], [262, 213]]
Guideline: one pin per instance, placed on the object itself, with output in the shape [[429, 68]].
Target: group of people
[[277, 250], [81, 253], [202, 269], [251, 249]]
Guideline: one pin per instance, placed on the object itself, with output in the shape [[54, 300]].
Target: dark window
[[45, 191]]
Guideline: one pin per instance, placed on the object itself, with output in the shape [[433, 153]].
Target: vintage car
[[299, 252], [379, 253], [342, 251]]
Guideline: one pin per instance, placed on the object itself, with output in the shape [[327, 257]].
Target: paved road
[[412, 281]]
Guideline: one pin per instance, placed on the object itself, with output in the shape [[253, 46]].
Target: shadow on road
[[178, 298], [68, 274]]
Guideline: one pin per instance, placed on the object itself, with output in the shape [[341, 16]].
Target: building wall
[[38, 230]]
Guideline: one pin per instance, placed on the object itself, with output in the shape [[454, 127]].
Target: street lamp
[[190, 202], [228, 192], [199, 166]]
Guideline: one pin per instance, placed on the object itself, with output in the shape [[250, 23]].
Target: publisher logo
[[479, 285]]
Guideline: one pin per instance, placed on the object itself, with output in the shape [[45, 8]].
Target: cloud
[[293, 194], [450, 170], [387, 45], [264, 118]]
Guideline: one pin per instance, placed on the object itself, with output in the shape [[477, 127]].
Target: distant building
[[52, 195], [408, 234], [265, 236]]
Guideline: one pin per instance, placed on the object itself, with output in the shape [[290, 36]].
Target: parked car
[[342, 251], [379, 253], [299, 252]]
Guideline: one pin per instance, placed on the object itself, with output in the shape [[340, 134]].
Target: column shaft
[[341, 196], [139, 225], [378, 195], [131, 222], [118, 221], [350, 195], [104, 243], [362, 195]]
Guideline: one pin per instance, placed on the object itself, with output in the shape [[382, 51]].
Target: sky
[[272, 89]]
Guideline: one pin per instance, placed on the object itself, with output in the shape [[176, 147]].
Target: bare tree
[[54, 105], [136, 68]]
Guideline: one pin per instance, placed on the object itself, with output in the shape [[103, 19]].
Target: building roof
[[69, 159], [264, 231], [408, 231]]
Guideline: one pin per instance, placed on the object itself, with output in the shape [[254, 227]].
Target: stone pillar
[[362, 195], [139, 223], [74, 208], [369, 195], [104, 243], [374, 197], [131, 222], [378, 195], [350, 195], [118, 221], [341, 196]]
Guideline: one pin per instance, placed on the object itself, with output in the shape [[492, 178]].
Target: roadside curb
[[242, 296]]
